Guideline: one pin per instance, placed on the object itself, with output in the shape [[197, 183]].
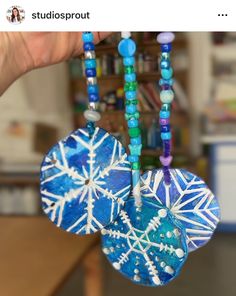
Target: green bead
[[134, 132], [129, 69], [136, 165], [166, 107], [133, 102], [165, 55], [130, 86], [129, 116]]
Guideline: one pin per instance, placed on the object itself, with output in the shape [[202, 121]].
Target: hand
[[21, 52]]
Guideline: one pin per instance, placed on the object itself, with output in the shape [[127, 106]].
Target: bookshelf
[[111, 81]]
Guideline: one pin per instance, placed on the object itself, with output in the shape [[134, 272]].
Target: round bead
[[92, 115], [129, 69], [136, 165], [133, 158], [92, 89], [132, 123], [129, 95], [166, 136], [165, 64], [136, 141], [93, 97], [166, 47], [164, 114], [167, 96], [129, 102], [165, 128], [130, 77], [167, 73], [166, 161], [131, 109], [90, 63], [165, 37], [134, 132], [91, 72], [88, 46], [125, 35], [127, 47], [129, 61], [87, 37], [89, 54], [164, 121]]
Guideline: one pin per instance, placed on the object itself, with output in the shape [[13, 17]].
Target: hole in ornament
[[53, 161], [87, 182], [53, 204]]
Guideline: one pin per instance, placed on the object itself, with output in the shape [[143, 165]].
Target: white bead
[[165, 37], [125, 35], [92, 115], [167, 96]]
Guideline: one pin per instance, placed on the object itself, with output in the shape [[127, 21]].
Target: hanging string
[[91, 115], [166, 97], [127, 49]]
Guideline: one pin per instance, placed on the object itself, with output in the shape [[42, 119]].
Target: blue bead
[[133, 158], [165, 64], [166, 136], [91, 72], [129, 61], [164, 114], [90, 63], [131, 109], [88, 46], [130, 77], [93, 97], [166, 47], [135, 149], [127, 47], [166, 81], [132, 123], [130, 95], [136, 141], [167, 73], [92, 89], [87, 37], [165, 128]]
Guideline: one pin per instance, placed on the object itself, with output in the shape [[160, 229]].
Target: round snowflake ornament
[[188, 199], [85, 181], [145, 244]]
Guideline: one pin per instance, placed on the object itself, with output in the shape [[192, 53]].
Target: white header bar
[[119, 15]]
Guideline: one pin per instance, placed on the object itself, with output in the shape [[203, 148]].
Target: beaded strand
[[127, 49], [166, 97], [91, 115]]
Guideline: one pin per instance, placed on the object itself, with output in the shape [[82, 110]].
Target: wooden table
[[36, 257]]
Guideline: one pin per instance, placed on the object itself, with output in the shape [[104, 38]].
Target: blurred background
[[46, 104]]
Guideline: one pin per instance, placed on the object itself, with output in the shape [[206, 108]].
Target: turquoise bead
[[164, 114], [133, 123], [165, 64], [90, 63], [136, 141], [130, 95], [129, 61], [167, 96], [87, 37], [127, 48], [131, 109], [133, 158], [135, 149], [92, 89], [166, 136], [130, 77], [167, 73]]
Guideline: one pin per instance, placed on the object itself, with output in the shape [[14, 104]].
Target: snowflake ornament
[[85, 181], [145, 244], [188, 199]]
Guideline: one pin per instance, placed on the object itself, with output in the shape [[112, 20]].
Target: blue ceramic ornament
[[145, 244], [85, 181], [188, 199]]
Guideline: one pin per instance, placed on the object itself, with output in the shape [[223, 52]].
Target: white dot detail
[[179, 253], [162, 213]]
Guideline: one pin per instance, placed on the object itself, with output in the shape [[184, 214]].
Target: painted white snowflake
[[85, 181], [189, 200], [145, 244]]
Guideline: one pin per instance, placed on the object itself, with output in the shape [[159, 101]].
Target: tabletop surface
[[36, 257]]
